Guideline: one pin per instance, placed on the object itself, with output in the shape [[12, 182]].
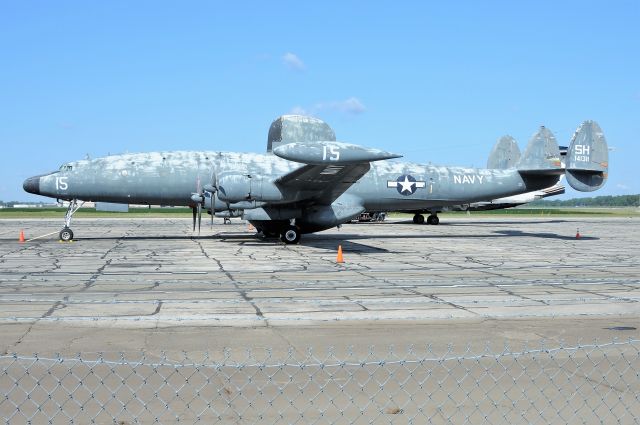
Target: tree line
[[596, 201]]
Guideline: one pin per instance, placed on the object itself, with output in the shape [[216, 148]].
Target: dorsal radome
[[298, 128]]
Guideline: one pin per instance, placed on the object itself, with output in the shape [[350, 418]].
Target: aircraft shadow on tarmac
[[328, 242], [479, 223], [543, 235], [331, 241]]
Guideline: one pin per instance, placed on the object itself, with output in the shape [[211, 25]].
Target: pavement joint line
[[440, 300], [158, 307], [298, 318], [52, 309], [482, 280]]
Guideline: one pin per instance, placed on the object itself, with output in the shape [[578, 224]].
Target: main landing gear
[[66, 234], [432, 219], [290, 235], [285, 230]]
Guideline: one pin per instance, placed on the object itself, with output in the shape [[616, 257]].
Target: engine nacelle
[[234, 187], [239, 187], [343, 209], [229, 214], [328, 216]]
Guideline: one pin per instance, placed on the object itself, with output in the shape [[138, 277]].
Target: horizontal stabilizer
[[329, 152], [587, 158], [542, 155], [505, 154]]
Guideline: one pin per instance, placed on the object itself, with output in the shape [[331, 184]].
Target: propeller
[[212, 189], [198, 199], [197, 210], [213, 207]]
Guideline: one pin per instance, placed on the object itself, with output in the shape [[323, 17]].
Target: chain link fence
[[594, 383]]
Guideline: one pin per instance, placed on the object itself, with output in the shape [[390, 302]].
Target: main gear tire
[[290, 235], [433, 219]]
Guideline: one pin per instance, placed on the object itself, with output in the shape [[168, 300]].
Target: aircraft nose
[[32, 185]]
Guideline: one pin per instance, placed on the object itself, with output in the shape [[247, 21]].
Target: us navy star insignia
[[406, 184]]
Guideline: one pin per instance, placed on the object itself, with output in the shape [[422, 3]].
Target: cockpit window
[[66, 167]]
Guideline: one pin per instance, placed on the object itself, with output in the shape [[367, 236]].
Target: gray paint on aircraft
[[318, 182]]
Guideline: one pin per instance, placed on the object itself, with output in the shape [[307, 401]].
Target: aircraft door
[[431, 184]]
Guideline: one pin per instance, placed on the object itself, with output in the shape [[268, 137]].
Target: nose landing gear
[[66, 234]]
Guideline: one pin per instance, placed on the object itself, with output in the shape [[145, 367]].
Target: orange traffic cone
[[339, 259], [21, 238], [578, 234]]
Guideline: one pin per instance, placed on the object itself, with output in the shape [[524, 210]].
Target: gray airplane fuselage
[[308, 181], [171, 178]]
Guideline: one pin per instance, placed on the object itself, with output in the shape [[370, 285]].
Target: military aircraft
[[308, 182]]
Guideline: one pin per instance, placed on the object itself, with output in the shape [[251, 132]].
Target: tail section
[[587, 158], [505, 154], [542, 155]]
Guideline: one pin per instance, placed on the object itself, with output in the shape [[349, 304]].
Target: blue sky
[[437, 82]]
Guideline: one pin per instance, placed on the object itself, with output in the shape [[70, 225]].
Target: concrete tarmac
[[126, 285]]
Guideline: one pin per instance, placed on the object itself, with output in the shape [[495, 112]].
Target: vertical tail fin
[[542, 155], [587, 158], [505, 154]]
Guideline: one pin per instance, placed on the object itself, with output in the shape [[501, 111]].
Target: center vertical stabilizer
[[542, 155]]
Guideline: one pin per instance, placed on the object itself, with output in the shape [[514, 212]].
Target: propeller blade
[[193, 211], [213, 207], [199, 218]]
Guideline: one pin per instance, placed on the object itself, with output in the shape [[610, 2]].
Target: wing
[[331, 168], [323, 183]]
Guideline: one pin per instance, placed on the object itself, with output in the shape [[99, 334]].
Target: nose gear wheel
[[66, 234]]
